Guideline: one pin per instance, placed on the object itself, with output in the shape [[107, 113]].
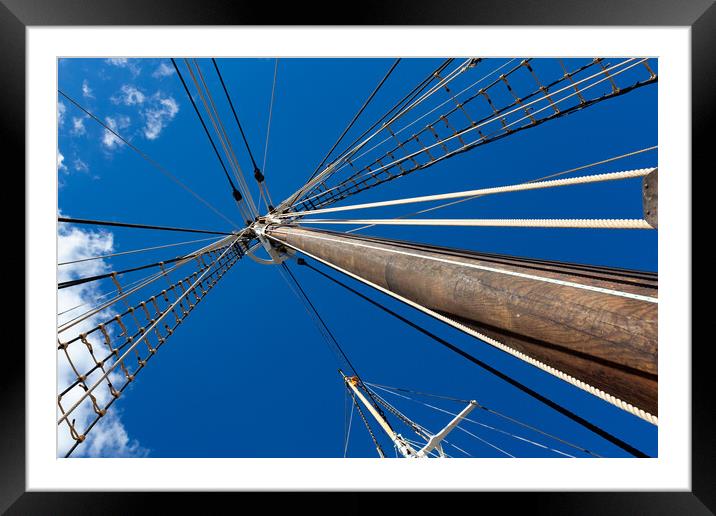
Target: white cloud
[[78, 126], [60, 159], [117, 61], [158, 116], [108, 437], [130, 96], [80, 166], [109, 140], [163, 70], [123, 62], [75, 244], [86, 90], [112, 440], [61, 109]]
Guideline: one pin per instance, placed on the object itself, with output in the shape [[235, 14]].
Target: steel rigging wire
[[328, 335], [257, 172], [146, 157], [134, 251], [355, 118], [138, 226], [215, 119], [268, 200], [352, 149], [88, 279], [234, 192]]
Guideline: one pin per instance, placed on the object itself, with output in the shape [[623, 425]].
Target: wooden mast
[[595, 324]]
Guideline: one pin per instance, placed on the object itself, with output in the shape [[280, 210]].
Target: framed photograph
[[430, 233]]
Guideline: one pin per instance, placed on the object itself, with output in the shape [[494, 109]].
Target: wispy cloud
[[109, 437], [156, 110], [129, 96], [109, 140], [78, 126], [158, 116], [80, 166], [123, 62], [86, 90], [61, 109], [163, 70]]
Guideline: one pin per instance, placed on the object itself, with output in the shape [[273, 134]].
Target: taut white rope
[[514, 223], [563, 172], [595, 178]]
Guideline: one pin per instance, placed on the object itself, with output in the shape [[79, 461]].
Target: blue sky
[[248, 374]]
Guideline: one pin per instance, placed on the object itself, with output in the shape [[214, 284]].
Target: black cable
[[323, 323], [534, 394], [80, 281], [234, 192], [145, 156], [257, 172], [365, 105], [405, 100], [333, 338], [138, 226]]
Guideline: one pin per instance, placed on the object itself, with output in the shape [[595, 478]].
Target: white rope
[[596, 178], [564, 172], [486, 442], [513, 223], [238, 173], [223, 137], [456, 447], [613, 400]]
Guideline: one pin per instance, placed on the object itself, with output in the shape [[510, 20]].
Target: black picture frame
[[17, 15]]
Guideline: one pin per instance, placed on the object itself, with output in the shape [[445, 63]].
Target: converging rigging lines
[[458, 130], [591, 327], [263, 187], [148, 159], [243, 201]]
